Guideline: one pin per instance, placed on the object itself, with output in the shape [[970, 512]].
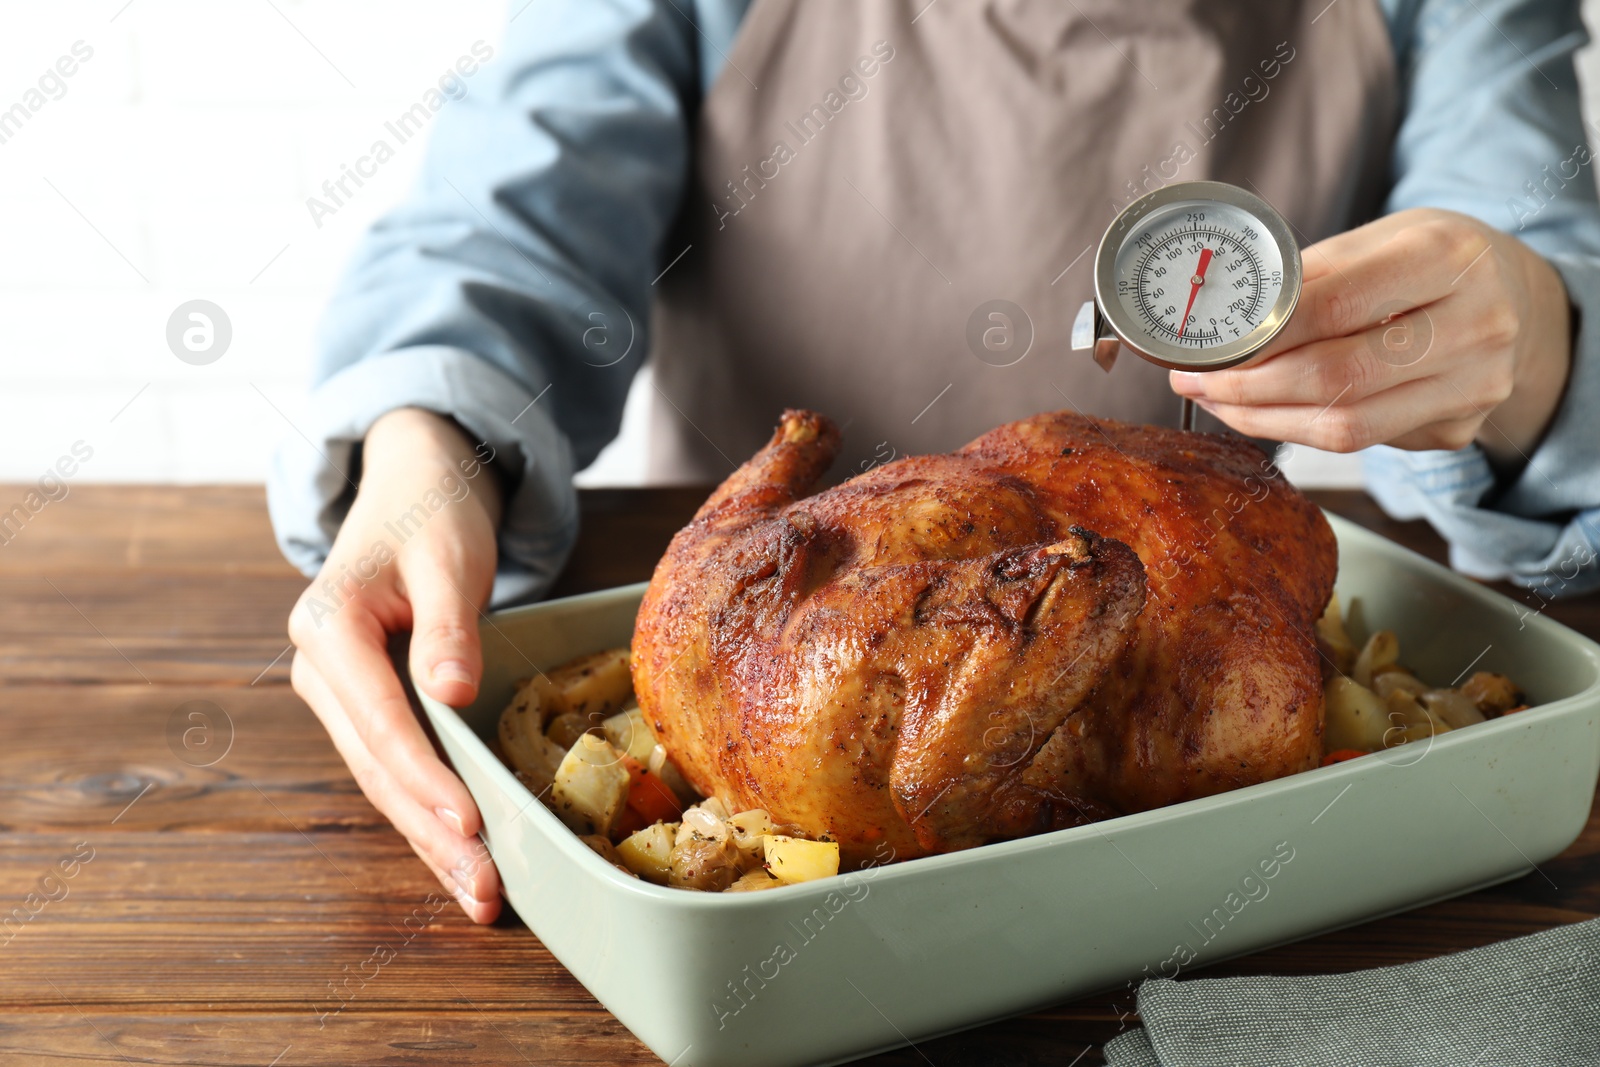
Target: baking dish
[[828, 971]]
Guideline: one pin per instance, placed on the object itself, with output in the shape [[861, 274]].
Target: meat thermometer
[[1196, 276]]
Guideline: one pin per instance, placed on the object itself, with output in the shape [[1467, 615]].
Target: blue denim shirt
[[552, 181]]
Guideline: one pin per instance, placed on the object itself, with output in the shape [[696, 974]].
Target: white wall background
[[176, 166]]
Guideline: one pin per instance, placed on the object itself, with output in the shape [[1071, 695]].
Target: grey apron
[[895, 204]]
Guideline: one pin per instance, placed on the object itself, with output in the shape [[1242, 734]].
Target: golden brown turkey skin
[[1066, 619]]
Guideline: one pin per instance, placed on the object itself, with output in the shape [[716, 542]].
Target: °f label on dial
[[1198, 274]]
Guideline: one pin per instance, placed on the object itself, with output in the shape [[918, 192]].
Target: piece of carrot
[[1339, 755], [651, 799], [629, 822]]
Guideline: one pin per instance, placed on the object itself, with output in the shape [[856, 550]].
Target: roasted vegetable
[[590, 786], [1452, 706], [1381, 650], [660, 765], [1392, 680], [711, 866], [523, 745], [606, 851], [703, 853], [1377, 703], [1334, 639], [1410, 719], [566, 728], [1356, 718], [749, 827], [713, 807], [648, 853], [592, 686], [533, 702], [628, 731], [648, 796], [753, 880], [1494, 694], [791, 860]]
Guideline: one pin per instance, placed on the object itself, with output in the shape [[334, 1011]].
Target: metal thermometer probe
[[1196, 276]]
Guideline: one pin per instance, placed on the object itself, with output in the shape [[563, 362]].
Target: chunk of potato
[[594, 686], [566, 728], [792, 859], [629, 732], [648, 852], [1356, 718], [606, 851], [590, 787]]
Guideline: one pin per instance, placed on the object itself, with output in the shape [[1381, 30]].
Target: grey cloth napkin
[[1530, 1002]]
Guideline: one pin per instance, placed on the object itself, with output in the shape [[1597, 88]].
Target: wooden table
[[224, 903]]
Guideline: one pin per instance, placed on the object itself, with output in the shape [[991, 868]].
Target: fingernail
[[1187, 382], [452, 820], [451, 670], [462, 897]]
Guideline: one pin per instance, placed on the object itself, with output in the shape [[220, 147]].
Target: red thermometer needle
[[1194, 287]]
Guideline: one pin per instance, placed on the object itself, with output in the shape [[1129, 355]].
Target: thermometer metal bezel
[[1174, 357]]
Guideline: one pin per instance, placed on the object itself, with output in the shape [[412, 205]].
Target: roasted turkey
[[1070, 618]]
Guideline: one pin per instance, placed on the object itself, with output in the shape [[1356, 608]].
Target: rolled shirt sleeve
[[1493, 129], [309, 494], [510, 290]]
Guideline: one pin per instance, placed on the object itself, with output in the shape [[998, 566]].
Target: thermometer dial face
[[1198, 275]]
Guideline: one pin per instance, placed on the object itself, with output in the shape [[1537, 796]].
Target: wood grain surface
[[220, 905]]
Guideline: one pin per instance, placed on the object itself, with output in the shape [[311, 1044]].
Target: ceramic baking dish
[[828, 971]]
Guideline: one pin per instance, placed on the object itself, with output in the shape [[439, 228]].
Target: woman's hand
[[1424, 329], [417, 552]]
